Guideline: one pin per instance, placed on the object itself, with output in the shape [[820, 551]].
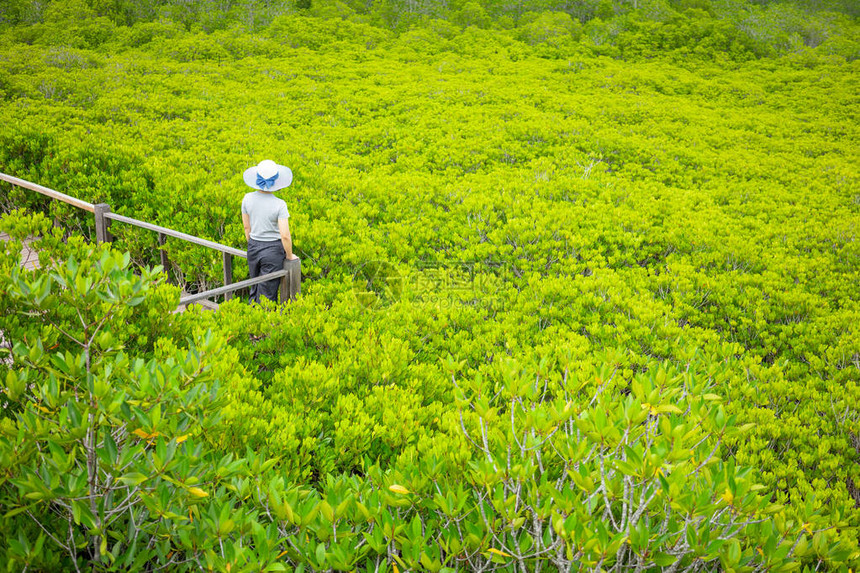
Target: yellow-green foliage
[[476, 209]]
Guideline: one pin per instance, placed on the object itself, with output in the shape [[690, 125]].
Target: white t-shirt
[[265, 210]]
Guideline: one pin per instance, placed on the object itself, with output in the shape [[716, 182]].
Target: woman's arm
[[286, 238], [246, 222]]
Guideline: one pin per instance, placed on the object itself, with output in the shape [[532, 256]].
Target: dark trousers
[[265, 257]]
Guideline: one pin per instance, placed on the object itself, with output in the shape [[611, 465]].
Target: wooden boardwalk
[[290, 276], [30, 261], [29, 256]]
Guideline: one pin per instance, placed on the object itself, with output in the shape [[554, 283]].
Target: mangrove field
[[580, 286]]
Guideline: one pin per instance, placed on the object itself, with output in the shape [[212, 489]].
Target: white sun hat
[[268, 176]]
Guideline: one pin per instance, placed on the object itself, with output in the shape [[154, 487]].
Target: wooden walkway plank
[[30, 261], [29, 256]]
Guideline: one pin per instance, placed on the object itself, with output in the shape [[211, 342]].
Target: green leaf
[[17, 510], [320, 555], [110, 446], [733, 552], [664, 559], [326, 510], [133, 478]]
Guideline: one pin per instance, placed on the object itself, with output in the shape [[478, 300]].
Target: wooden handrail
[[291, 275], [233, 287], [49, 192], [177, 234]]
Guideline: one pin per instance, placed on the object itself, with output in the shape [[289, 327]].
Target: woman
[[266, 221]]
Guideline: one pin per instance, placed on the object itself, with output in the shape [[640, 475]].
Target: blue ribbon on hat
[[266, 183]]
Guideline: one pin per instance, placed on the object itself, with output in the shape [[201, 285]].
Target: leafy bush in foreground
[[108, 460]]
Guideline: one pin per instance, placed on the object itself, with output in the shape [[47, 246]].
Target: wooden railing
[[290, 275]]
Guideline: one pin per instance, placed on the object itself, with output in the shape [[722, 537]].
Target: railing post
[[59, 225], [285, 283], [102, 233], [162, 239], [291, 283], [228, 273], [295, 278]]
